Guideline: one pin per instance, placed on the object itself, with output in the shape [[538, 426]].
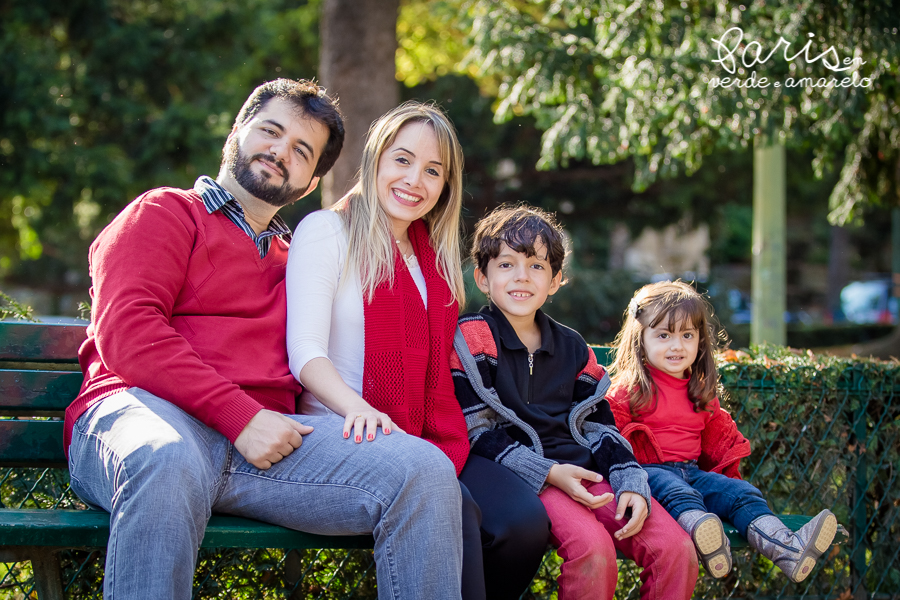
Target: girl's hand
[[639, 514], [568, 479], [366, 421]]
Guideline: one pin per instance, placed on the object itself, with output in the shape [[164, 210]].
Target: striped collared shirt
[[215, 197]]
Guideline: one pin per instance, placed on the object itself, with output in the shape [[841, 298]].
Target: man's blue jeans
[[681, 487], [160, 473]]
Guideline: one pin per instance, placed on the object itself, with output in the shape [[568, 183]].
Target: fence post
[[858, 515]]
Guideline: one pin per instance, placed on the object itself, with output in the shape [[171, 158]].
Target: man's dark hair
[[520, 227], [313, 102]]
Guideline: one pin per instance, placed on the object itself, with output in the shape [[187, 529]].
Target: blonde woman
[[374, 286]]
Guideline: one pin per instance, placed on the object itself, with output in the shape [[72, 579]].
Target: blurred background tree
[[614, 81], [100, 101], [359, 42]]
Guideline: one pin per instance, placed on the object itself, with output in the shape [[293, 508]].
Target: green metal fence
[[825, 434]]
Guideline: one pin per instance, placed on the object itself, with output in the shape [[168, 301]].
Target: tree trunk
[[359, 42], [768, 279]]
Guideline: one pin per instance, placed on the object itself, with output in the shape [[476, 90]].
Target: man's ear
[[481, 280], [313, 183], [555, 283]]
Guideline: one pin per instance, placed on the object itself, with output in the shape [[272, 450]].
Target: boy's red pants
[[584, 540]]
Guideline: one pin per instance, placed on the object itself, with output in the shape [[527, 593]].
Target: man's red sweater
[[184, 308]]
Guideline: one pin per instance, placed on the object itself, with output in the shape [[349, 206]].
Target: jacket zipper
[[530, 374]]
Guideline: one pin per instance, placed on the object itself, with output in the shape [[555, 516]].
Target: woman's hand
[[321, 378], [366, 420], [568, 479], [639, 514]]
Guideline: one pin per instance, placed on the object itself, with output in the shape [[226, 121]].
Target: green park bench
[[39, 377]]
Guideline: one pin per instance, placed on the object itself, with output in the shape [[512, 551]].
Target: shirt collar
[[214, 197], [510, 338], [671, 380]]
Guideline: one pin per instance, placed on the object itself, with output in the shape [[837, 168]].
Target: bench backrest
[[39, 377], [605, 354]]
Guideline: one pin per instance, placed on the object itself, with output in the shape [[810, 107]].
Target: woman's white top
[[325, 316]]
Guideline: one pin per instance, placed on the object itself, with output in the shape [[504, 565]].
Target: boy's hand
[[639, 514], [568, 479]]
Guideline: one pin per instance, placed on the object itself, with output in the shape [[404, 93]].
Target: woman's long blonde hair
[[371, 242], [675, 301]]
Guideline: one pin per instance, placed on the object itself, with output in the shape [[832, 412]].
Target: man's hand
[[568, 479], [639, 514], [269, 437]]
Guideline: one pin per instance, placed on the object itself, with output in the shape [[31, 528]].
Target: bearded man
[[187, 406]]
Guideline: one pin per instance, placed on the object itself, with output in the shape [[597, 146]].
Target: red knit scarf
[[406, 370]]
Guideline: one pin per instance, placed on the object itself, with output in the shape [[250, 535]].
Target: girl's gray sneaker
[[795, 553], [710, 540]]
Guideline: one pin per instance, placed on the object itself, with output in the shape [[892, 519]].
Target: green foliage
[[10, 308], [277, 573], [430, 45], [37, 488], [591, 200], [102, 100], [825, 432], [615, 79], [84, 311]]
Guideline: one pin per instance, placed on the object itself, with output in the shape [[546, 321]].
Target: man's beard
[[258, 185]]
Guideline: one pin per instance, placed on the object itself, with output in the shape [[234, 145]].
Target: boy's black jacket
[[485, 373]]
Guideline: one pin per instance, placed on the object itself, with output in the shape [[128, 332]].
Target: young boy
[[533, 397]]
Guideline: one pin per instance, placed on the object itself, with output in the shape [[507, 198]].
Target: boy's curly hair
[[520, 227]]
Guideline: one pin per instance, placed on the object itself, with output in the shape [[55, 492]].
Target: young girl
[[663, 396]]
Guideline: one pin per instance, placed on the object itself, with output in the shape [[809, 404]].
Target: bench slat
[[40, 342], [31, 444], [605, 354], [37, 393], [90, 529]]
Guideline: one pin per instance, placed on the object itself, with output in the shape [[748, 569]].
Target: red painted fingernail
[[387, 431], [346, 434], [370, 437], [359, 438]]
